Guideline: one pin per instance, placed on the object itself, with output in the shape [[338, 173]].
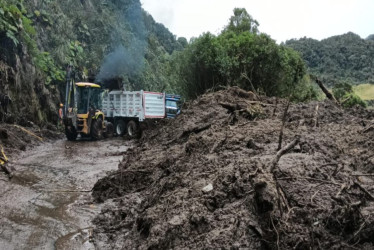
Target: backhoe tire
[[97, 129], [133, 129], [120, 127], [109, 130], [71, 134]]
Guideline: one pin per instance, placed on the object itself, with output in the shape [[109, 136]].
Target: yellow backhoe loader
[[82, 110]]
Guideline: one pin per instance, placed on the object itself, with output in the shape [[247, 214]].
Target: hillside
[[345, 57], [101, 39]]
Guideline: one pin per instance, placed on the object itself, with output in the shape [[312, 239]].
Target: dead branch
[[260, 103], [231, 107], [276, 105], [283, 151], [244, 75], [283, 123], [364, 190], [314, 195], [195, 130], [315, 117], [362, 174]]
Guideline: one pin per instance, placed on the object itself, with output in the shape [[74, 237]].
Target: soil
[[17, 138], [215, 178]]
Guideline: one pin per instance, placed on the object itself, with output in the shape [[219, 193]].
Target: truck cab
[[172, 105]]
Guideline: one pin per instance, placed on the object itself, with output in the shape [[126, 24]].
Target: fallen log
[[231, 107], [326, 91]]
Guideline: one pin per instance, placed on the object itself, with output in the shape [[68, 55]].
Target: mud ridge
[[213, 178]]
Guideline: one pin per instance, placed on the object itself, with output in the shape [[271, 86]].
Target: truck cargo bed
[[134, 104]]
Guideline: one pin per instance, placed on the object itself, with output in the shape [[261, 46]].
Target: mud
[[211, 179], [47, 204], [19, 138]]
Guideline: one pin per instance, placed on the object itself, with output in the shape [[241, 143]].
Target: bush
[[345, 94]]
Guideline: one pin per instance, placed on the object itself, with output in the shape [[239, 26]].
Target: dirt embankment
[[212, 179], [15, 138]]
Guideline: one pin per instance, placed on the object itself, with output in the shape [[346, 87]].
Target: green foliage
[[241, 57], [241, 21], [339, 58], [45, 62], [351, 99], [344, 93], [19, 28], [10, 21], [341, 89], [370, 37], [82, 33], [306, 91]]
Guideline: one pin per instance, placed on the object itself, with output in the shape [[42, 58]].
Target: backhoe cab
[[82, 112]]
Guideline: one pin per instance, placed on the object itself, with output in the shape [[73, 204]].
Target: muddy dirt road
[[48, 204]]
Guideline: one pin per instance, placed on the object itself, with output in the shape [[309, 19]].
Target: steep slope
[[346, 57], [38, 39], [103, 39]]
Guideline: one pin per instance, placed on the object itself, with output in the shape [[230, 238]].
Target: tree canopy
[[240, 56], [241, 21], [346, 57]]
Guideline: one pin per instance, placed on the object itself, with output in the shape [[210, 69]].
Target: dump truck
[[128, 109]]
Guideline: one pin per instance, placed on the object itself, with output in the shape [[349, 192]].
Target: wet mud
[[48, 204], [214, 178]]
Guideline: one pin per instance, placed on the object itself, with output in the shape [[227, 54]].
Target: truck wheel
[[109, 130], [97, 129], [133, 129], [120, 127], [71, 134]]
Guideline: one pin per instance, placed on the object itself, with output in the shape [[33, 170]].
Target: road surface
[[48, 204]]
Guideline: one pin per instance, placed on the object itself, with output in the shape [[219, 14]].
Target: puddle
[[48, 204]]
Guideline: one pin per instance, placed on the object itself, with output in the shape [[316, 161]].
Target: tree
[[182, 41], [338, 58], [248, 60], [345, 94], [241, 21], [371, 37]]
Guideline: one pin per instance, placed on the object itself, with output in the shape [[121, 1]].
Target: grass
[[365, 91]]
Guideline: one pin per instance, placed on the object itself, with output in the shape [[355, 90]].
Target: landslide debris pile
[[214, 178]]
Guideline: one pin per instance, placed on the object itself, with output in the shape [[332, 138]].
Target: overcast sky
[[281, 19]]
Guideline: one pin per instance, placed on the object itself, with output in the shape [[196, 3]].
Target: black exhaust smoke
[[126, 60]]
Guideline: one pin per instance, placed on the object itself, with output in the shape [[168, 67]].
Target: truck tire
[[109, 130], [120, 127], [133, 129], [97, 129], [71, 134]]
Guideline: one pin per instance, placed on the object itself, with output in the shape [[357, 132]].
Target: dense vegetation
[[85, 34], [241, 56], [346, 58], [346, 95], [118, 39]]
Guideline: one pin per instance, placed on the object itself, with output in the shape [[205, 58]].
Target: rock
[[178, 220], [207, 188]]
